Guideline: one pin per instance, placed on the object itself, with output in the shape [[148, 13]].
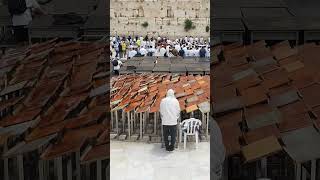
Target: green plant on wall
[[145, 24], [207, 28], [188, 25]]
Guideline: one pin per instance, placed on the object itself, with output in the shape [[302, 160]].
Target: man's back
[[181, 52], [26, 17], [117, 65], [202, 52], [169, 110], [162, 51]]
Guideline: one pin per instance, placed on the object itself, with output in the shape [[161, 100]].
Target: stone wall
[[164, 17]]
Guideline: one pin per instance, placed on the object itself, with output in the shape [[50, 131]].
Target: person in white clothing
[[116, 66], [151, 51], [162, 51], [170, 113], [185, 49], [132, 53], [20, 21], [168, 51], [143, 51], [191, 39], [177, 47], [153, 44], [143, 43]]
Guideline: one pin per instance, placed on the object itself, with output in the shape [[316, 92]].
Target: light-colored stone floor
[[142, 161]]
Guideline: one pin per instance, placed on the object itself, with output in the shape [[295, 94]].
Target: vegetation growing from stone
[[145, 24], [207, 28], [188, 25]]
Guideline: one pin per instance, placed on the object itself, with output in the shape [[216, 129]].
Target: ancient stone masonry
[[164, 17]]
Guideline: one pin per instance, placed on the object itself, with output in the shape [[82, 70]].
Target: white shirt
[[201, 40], [153, 44], [143, 43], [26, 17], [143, 51], [185, 49], [208, 52], [168, 50], [132, 53], [153, 50], [169, 109], [162, 51], [177, 47], [189, 53], [191, 40], [196, 52], [119, 65]]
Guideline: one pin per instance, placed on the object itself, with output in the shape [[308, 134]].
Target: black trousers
[[21, 33], [116, 72], [169, 131]]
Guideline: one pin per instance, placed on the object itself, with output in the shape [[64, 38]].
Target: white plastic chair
[[190, 127]]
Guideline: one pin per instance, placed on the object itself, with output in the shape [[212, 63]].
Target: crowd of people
[[129, 47]]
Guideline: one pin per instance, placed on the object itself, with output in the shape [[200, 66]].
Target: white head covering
[[170, 93]]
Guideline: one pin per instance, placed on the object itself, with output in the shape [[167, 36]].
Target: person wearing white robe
[[170, 113]]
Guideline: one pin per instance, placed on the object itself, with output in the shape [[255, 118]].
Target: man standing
[[116, 66], [170, 113], [162, 51], [22, 12], [124, 49], [181, 53], [202, 52]]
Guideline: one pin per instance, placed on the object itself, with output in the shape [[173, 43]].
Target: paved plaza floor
[[142, 161]]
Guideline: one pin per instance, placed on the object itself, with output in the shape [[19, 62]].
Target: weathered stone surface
[[155, 139], [122, 137], [203, 138], [145, 139], [113, 135], [164, 17], [133, 137]]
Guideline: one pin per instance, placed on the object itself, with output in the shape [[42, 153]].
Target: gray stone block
[[149, 131], [113, 135], [133, 137], [145, 139], [204, 138], [122, 137], [155, 139]]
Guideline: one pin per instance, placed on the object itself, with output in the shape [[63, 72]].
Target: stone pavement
[[141, 161]]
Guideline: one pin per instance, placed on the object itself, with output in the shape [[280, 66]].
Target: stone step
[[122, 137], [133, 138], [113, 135], [145, 139]]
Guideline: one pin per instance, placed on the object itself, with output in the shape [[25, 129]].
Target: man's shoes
[[171, 148]]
